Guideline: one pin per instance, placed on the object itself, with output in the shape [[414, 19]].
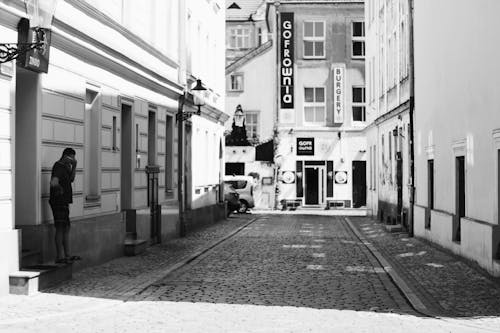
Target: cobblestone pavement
[[275, 274], [126, 276], [314, 262], [447, 284]]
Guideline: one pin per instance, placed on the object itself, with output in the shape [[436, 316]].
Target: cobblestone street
[[265, 273]]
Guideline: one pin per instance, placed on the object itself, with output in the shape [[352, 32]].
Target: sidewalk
[[448, 285]]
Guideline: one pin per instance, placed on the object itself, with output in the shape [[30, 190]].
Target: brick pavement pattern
[[126, 276], [448, 285], [304, 261], [277, 274]]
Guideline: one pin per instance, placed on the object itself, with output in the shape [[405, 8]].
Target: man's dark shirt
[[62, 194]]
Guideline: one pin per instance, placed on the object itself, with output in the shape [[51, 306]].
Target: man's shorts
[[61, 215]]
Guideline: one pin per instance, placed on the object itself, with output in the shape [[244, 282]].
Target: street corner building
[[320, 146], [116, 86]]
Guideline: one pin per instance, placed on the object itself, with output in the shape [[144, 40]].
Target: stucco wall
[[259, 92]]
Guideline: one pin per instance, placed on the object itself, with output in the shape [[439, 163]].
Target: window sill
[[357, 58], [314, 58]]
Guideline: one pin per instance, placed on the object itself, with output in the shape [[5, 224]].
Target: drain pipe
[[411, 124]]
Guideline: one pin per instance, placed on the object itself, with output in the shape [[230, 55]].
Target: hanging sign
[[286, 60], [338, 94]]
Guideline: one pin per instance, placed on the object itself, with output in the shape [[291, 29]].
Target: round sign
[[288, 177], [341, 177]]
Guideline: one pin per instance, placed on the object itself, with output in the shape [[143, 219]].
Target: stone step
[[134, 247], [30, 257], [32, 279], [393, 228]]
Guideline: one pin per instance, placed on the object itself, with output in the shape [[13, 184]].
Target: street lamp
[[239, 116], [34, 37], [182, 116]]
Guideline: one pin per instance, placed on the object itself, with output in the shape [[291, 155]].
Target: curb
[[190, 258], [412, 298]]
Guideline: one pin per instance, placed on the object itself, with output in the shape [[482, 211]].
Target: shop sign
[[338, 94], [286, 60], [305, 146], [340, 177]]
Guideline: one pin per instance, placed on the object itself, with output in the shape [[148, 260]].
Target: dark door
[[312, 189], [358, 184], [460, 192], [399, 184]]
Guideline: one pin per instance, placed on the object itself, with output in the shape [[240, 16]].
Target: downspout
[[411, 124], [278, 91]]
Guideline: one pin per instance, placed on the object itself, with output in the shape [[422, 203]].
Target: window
[[389, 140], [114, 134], [314, 39], [358, 104], [358, 40], [314, 105], [374, 167], [236, 82], [92, 145], [259, 37], [382, 150], [252, 125], [239, 38]]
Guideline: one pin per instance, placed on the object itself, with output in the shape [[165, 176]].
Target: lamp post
[[32, 49], [180, 118]]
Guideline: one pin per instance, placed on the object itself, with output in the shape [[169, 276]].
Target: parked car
[[244, 186], [232, 197]]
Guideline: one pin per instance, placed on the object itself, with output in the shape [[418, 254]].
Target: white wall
[[259, 92]]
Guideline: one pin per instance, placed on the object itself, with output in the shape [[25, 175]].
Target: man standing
[[61, 195]]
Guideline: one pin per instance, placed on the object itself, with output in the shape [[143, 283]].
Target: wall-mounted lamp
[[34, 34], [198, 101]]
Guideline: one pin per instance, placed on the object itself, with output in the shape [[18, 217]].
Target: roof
[[248, 7], [248, 56]]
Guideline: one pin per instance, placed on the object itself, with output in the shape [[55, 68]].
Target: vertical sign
[[286, 63], [338, 94]]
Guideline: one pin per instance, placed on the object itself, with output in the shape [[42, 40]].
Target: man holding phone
[[61, 195]]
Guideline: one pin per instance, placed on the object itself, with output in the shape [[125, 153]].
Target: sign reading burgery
[[286, 61]]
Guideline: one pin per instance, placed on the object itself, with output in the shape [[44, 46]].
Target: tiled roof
[[248, 7]]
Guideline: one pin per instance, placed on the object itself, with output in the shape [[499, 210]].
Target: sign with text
[[286, 60], [305, 146], [338, 94]]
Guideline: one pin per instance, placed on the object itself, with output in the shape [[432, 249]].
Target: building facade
[[116, 72], [388, 103], [320, 144], [457, 128], [250, 84]]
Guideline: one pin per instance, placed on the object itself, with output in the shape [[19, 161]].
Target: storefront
[[321, 172]]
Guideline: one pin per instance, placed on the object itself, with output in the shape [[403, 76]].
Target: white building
[[251, 83], [457, 127], [116, 72], [321, 148], [388, 93]]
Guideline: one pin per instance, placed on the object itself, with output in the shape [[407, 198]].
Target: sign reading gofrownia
[[286, 61], [338, 94]]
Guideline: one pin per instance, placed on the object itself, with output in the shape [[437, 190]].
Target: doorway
[[358, 184], [314, 185], [399, 185], [459, 193], [127, 157]]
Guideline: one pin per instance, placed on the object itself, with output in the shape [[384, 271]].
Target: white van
[[244, 186]]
